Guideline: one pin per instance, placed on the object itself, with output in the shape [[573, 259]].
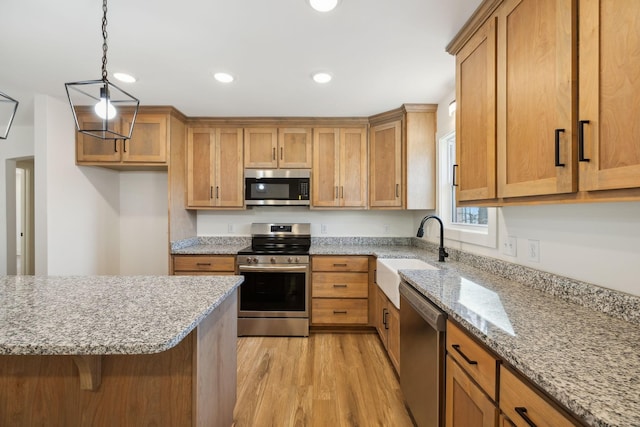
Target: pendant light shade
[[100, 108], [8, 108]]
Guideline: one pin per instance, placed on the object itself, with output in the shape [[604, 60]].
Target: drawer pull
[[456, 347], [339, 286], [339, 265], [203, 263], [339, 311], [522, 411]]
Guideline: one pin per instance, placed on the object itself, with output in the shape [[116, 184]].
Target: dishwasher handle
[[436, 318]]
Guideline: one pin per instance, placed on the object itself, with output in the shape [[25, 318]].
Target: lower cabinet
[[339, 290], [387, 322], [189, 265]]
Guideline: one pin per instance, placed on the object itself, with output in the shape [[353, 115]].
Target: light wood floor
[[324, 380]]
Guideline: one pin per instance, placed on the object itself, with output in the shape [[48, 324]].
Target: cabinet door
[[393, 335], [380, 315], [200, 167], [536, 97], [353, 168], [148, 143], [466, 405], [609, 94], [260, 146], [326, 170], [385, 165], [90, 149], [229, 173], [475, 175], [294, 148]]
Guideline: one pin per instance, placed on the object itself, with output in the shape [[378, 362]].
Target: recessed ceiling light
[[323, 5], [223, 77], [124, 77], [322, 77]]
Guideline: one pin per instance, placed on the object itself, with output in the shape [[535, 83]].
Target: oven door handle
[[272, 268]]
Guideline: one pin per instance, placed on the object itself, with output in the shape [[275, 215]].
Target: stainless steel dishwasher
[[422, 353]]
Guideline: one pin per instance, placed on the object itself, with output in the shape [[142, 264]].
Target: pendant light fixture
[[8, 108], [100, 108]]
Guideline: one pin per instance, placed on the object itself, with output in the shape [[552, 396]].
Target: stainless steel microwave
[[276, 187]]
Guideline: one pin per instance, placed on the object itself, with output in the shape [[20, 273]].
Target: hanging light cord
[[104, 40]]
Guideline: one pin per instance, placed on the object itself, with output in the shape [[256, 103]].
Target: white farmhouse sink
[[387, 276]]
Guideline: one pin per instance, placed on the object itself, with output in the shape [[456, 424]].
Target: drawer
[[341, 263], [203, 263], [473, 358], [339, 311], [340, 285], [519, 401]]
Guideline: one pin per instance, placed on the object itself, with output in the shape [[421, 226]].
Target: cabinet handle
[[336, 191], [558, 132], [217, 192], [336, 285], [281, 153], [339, 311], [581, 157], [455, 184], [384, 318], [341, 192], [124, 145], [203, 263], [339, 265], [522, 411], [456, 347], [211, 192], [115, 145], [274, 154], [397, 190]]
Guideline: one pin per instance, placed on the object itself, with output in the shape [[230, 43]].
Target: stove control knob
[[248, 260], [255, 260], [290, 260], [297, 259]]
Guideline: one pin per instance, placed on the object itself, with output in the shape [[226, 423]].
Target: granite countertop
[[585, 359], [42, 315]]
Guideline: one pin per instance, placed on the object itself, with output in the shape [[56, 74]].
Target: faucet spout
[[442, 253]]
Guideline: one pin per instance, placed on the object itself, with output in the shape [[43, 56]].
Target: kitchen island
[[118, 350]]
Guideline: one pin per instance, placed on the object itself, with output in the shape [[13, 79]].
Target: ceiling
[[382, 53]]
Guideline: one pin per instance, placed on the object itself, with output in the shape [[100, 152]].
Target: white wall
[[337, 223], [597, 243], [144, 235]]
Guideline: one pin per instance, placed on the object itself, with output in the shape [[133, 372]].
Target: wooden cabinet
[[471, 381], [271, 148], [339, 168], [148, 146], [536, 94], [387, 322], [466, 404], [402, 158], [475, 173], [339, 290], [609, 94], [189, 265], [215, 177], [525, 407]]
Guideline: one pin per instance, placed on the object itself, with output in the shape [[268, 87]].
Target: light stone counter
[[104, 314]]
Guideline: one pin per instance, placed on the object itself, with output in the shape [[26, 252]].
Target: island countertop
[[82, 315]]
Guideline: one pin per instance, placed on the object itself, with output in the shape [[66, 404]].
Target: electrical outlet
[[386, 228], [323, 228], [533, 250], [510, 246]]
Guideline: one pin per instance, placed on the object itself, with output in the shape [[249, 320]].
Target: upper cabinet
[[609, 143], [270, 148], [562, 124], [148, 146], [402, 158], [214, 168], [339, 168]]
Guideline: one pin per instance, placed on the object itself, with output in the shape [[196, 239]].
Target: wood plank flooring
[[328, 379]]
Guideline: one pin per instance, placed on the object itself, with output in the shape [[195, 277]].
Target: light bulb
[[105, 109]]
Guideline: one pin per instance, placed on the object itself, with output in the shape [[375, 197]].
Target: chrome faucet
[[442, 254]]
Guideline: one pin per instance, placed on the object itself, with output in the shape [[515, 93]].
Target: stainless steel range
[[274, 297]]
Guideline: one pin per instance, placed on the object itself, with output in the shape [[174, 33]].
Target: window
[[476, 225]]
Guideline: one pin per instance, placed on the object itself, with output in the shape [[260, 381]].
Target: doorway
[[25, 217]]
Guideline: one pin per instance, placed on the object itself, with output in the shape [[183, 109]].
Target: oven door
[[275, 290]]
